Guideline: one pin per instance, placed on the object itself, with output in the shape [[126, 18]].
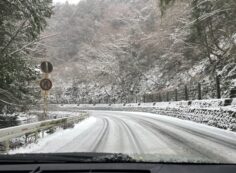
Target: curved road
[[149, 136]]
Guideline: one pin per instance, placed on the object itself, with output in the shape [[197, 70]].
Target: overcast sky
[[63, 1]]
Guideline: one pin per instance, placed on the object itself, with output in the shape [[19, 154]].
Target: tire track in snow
[[191, 146], [102, 136], [161, 127], [130, 134]]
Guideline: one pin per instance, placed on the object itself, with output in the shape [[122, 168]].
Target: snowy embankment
[[219, 113], [13, 137], [56, 140]]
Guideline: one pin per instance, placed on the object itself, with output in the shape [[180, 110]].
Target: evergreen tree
[[21, 22]]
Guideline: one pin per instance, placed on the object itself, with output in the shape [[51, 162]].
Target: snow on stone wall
[[219, 113]]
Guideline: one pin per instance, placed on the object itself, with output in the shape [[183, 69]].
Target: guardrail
[[9, 133]]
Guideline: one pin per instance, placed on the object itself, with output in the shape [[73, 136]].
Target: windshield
[[125, 80]]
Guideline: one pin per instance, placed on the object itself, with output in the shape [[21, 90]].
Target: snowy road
[[156, 136]]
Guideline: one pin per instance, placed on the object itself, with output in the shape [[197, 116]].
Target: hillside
[[117, 49]]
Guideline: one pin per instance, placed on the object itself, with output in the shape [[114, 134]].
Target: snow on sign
[[46, 84], [46, 67]]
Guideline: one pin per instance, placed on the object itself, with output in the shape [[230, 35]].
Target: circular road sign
[[46, 67], [46, 84]]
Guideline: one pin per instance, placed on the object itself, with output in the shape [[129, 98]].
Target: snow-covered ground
[[219, 113], [153, 136], [53, 142]]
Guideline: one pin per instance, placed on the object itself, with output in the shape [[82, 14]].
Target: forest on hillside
[[114, 50]]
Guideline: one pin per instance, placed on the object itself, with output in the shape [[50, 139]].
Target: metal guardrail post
[[36, 135], [186, 92], [218, 87], [176, 95], [42, 133], [26, 138], [7, 146], [199, 91], [160, 98]]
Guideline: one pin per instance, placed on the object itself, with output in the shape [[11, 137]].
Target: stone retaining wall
[[219, 113]]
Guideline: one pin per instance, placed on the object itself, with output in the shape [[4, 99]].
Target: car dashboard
[[116, 168]]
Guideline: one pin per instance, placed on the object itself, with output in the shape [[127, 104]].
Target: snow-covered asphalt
[[144, 134]]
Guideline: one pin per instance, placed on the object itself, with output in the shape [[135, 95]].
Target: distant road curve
[[150, 135]]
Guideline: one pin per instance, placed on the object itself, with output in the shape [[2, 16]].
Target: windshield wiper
[[66, 158]]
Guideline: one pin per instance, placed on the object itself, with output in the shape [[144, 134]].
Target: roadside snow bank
[[54, 142]]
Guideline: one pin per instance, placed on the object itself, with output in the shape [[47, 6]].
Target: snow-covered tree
[[21, 23]]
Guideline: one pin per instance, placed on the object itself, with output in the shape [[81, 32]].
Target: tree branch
[[25, 46], [14, 36]]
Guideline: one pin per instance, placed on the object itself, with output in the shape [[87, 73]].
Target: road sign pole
[[45, 105], [46, 84]]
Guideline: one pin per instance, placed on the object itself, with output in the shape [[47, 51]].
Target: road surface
[[149, 136]]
